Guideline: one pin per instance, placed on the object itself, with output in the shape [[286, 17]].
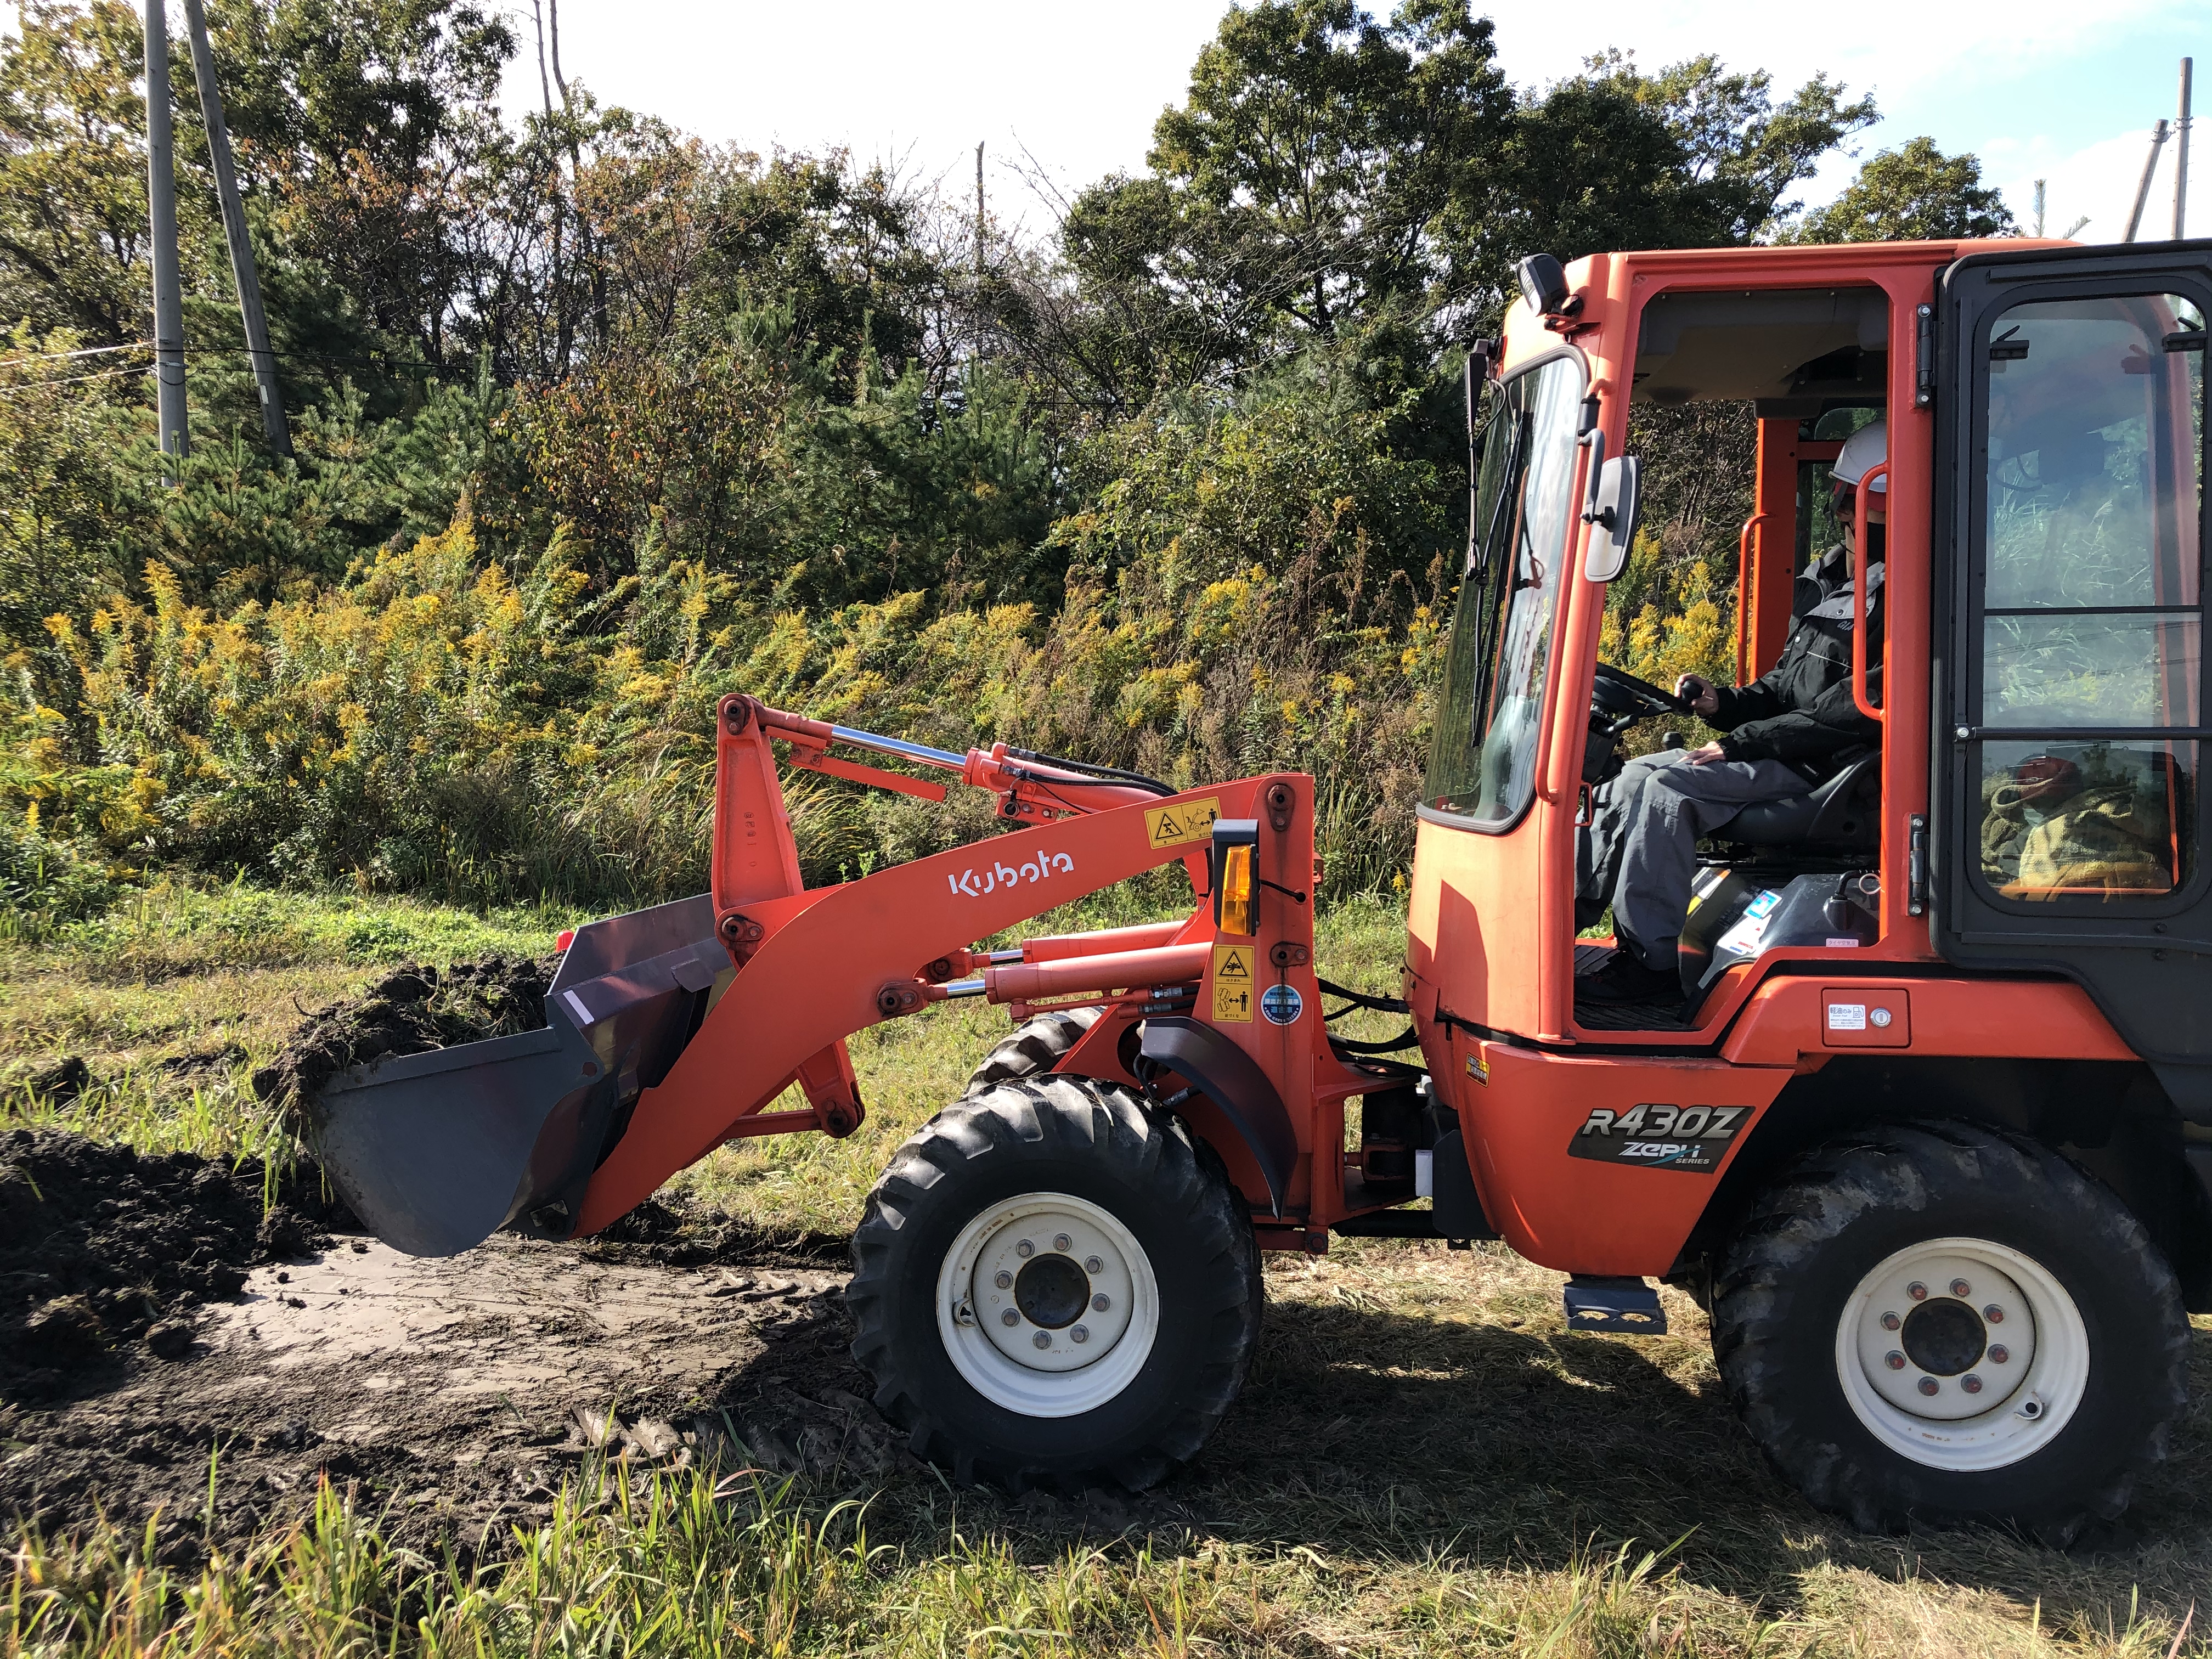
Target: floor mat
[[1620, 1016]]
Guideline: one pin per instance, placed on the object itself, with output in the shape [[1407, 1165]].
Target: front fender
[[1233, 1081]]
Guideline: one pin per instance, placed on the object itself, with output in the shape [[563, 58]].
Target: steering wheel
[[1617, 692]]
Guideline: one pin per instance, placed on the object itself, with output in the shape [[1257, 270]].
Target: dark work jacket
[[1800, 711]]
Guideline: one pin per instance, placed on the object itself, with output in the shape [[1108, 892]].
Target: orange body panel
[[1521, 1109], [1784, 1021]]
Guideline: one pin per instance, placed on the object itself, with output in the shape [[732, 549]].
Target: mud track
[[454, 1395], [174, 1324]]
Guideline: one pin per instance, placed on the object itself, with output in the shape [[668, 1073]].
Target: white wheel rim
[[1908, 1326], [1086, 1357]]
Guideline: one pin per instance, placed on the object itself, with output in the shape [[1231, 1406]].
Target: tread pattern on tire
[[1899, 1168], [1077, 1114], [1034, 1048]]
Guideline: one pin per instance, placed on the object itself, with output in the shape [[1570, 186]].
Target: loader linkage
[[674, 1029]]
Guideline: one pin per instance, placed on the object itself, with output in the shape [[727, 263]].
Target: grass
[[1424, 1462]]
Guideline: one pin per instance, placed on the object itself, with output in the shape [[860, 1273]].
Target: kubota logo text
[[1006, 875]]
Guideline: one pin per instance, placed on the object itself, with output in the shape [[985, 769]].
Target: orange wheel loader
[[1928, 1132]]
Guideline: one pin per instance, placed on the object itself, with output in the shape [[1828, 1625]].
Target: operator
[[1787, 733]]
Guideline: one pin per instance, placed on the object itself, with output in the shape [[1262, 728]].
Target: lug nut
[[1916, 1289], [1970, 1383], [1890, 1322], [1010, 1317], [1994, 1313], [1025, 1249], [1080, 1334], [1928, 1385], [1091, 1264], [1101, 1301], [1041, 1339], [1063, 1242], [1960, 1289], [1895, 1360], [1002, 1278], [1999, 1354]]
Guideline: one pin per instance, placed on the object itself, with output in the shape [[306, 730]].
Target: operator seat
[[1844, 813]]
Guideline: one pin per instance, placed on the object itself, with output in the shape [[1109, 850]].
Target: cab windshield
[[1483, 765]]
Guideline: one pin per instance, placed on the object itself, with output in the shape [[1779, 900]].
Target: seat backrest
[[1841, 812]]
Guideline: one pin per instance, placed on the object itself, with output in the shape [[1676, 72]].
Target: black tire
[[1076, 1136], [1792, 1274], [1034, 1048]]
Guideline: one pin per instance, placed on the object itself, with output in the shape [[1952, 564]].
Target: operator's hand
[[1706, 756], [1699, 693]]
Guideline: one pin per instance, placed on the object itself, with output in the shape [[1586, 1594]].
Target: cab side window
[[2091, 664]]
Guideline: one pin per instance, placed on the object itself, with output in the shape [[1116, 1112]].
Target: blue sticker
[[1281, 1004]]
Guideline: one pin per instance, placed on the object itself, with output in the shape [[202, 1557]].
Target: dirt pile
[[411, 1011], [105, 1252]]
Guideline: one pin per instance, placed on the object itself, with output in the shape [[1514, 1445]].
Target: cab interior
[[1813, 366], [2077, 590]]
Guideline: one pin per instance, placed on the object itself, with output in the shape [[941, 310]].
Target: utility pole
[[2181, 156], [2142, 185], [242, 274], [161, 226], [2039, 206]]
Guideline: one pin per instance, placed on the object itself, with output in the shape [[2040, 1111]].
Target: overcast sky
[[2062, 89]]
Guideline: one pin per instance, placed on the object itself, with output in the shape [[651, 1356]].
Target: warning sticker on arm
[[1232, 984], [1184, 822]]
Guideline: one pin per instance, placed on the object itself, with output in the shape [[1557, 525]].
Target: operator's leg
[[1659, 855], [1614, 807]]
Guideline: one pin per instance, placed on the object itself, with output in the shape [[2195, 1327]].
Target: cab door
[[2071, 721]]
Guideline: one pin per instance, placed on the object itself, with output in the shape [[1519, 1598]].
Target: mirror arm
[[1595, 444]]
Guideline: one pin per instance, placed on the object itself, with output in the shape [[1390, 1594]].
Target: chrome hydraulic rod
[[913, 751]]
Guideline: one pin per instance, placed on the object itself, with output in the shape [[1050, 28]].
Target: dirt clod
[[99, 1245], [61, 1082], [411, 1011]]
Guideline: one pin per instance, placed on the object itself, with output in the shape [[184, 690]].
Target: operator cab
[[2034, 770], [1787, 375]]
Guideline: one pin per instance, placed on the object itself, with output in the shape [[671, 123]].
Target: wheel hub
[[1944, 1337], [1962, 1353], [1048, 1304], [1052, 1291]]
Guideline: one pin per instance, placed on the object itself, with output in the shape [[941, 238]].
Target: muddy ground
[[194, 1343], [454, 1394]]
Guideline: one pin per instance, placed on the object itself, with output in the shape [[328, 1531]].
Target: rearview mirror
[[1612, 518]]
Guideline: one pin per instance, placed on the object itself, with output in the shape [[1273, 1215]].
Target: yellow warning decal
[[1185, 821], [1232, 984]]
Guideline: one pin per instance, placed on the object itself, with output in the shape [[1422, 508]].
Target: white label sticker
[[1847, 1016]]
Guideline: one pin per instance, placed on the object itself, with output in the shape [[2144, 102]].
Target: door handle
[[1859, 594]]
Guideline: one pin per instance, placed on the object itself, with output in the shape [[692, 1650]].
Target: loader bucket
[[436, 1151]]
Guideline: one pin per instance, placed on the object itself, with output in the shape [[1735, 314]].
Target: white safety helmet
[[1864, 450]]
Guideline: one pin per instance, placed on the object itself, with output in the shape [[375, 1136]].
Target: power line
[[72, 380], [89, 351]]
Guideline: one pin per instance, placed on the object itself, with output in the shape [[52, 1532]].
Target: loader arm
[[815, 965], [673, 1029]]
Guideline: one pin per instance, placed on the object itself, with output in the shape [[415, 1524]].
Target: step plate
[[1627, 1305]]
